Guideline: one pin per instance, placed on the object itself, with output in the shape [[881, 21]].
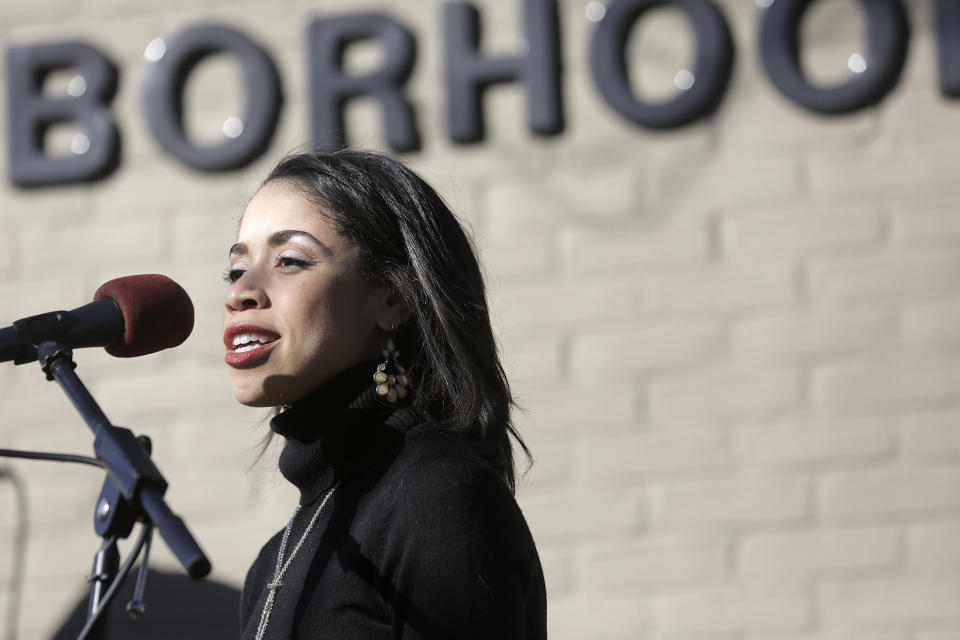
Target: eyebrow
[[278, 238]]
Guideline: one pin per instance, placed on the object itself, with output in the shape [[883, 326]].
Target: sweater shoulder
[[432, 461], [455, 546], [439, 482]]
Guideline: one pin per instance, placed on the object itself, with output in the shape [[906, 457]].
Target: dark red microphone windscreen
[[157, 313]]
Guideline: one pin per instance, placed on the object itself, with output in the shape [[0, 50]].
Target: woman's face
[[297, 312]]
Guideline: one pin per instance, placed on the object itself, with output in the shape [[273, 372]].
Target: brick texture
[[735, 344], [819, 552], [730, 611], [654, 564], [730, 504], [891, 600], [876, 493]]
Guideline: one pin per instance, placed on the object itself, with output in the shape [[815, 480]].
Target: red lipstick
[[247, 344]]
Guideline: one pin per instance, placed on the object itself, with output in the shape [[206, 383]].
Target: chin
[[256, 402], [266, 393], [253, 400], [254, 397]]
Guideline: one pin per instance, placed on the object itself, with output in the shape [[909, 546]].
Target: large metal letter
[[468, 73], [30, 114], [888, 35], [331, 88], [706, 83], [947, 25], [164, 82]]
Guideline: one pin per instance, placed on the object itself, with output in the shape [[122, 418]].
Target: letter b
[[30, 114]]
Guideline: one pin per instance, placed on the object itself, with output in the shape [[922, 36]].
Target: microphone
[[130, 316]]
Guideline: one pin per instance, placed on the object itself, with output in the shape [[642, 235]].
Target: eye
[[292, 261], [232, 274]]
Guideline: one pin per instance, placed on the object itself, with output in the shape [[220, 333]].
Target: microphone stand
[[133, 490], [114, 518]]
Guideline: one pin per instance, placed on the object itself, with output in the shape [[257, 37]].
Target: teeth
[[246, 338], [246, 347]]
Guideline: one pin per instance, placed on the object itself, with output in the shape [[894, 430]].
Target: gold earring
[[391, 378]]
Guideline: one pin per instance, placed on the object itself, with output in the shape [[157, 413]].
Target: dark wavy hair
[[410, 242]]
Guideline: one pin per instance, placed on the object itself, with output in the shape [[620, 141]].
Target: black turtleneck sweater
[[421, 539]]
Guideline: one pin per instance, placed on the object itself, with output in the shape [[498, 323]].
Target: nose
[[246, 293]]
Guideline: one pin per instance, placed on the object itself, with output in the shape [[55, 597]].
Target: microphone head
[[157, 313]]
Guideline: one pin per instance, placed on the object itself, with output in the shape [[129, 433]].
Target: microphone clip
[[52, 326], [49, 353]]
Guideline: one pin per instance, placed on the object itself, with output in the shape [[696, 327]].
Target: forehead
[[281, 206]]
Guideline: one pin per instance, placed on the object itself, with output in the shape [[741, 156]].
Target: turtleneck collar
[[337, 431]]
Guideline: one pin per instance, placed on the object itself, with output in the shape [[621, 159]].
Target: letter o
[[164, 84], [887, 41], [711, 69]]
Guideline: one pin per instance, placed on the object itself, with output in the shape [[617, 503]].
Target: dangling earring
[[391, 378]]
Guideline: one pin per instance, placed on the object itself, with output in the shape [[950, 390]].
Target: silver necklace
[[281, 568]]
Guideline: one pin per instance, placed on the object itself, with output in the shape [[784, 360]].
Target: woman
[[356, 306]]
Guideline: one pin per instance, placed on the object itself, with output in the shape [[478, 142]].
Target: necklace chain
[[281, 567]]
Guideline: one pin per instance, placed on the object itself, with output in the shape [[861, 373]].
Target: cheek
[[352, 318], [333, 316], [347, 298], [323, 314]]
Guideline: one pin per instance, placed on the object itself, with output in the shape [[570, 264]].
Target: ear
[[393, 313]]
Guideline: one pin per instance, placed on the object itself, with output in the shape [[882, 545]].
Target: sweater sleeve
[[464, 563]]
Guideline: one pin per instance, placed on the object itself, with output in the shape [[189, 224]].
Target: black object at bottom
[[178, 607]]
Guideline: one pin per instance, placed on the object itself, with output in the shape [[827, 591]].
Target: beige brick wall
[[737, 343]]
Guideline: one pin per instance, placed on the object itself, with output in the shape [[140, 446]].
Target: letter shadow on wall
[[177, 607]]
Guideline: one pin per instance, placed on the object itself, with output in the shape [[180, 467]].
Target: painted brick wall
[[736, 344]]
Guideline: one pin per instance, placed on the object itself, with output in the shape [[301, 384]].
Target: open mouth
[[245, 345], [249, 341]]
